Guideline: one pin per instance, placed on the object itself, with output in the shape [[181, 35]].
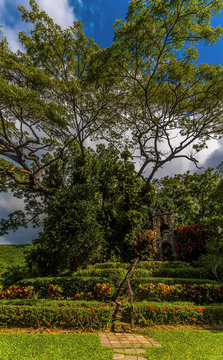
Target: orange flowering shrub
[[54, 292], [102, 290], [17, 292]]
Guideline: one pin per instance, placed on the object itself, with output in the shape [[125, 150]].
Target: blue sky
[[97, 17]]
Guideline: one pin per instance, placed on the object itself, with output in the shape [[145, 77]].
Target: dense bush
[[110, 265], [201, 294], [113, 276], [98, 317], [155, 280], [84, 318], [17, 292], [146, 314], [177, 269], [69, 285], [190, 241]]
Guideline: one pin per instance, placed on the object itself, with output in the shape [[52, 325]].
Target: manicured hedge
[[177, 269], [171, 281], [146, 314], [69, 285], [110, 265], [200, 294], [113, 276], [96, 317], [190, 273], [90, 318]]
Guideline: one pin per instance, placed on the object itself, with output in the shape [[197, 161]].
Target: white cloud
[[59, 10]]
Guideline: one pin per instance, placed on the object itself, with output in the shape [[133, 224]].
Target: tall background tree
[[146, 95]]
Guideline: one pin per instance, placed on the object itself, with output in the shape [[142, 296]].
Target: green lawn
[[52, 347], [187, 345], [177, 345]]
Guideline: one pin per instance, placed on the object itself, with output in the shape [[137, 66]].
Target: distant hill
[[12, 255]]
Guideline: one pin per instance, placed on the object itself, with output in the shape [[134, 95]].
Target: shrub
[[112, 276], [145, 244], [201, 294], [14, 274], [190, 241], [84, 318], [17, 292], [69, 285], [147, 314], [54, 291], [111, 265], [102, 291], [170, 281]]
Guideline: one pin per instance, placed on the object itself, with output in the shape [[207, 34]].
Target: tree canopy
[[146, 97]]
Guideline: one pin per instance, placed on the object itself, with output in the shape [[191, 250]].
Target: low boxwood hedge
[[147, 314], [98, 317], [113, 276], [84, 318]]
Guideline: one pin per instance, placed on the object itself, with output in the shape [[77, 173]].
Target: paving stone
[[130, 357], [118, 356], [126, 340]]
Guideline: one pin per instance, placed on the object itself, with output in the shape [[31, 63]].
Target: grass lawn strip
[[52, 347], [176, 345], [186, 345]]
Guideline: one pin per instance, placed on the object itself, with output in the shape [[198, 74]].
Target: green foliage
[[13, 274], [69, 285], [198, 293], [91, 318], [170, 281], [72, 234], [213, 259], [146, 314], [114, 276], [13, 257], [191, 197], [17, 292]]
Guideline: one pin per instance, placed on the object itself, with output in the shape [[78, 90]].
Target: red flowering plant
[[145, 244], [191, 240]]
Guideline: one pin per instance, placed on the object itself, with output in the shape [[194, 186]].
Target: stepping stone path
[[130, 343]]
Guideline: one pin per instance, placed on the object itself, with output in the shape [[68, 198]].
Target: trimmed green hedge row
[[200, 294], [113, 276], [91, 318], [177, 269], [74, 285], [147, 314], [96, 317]]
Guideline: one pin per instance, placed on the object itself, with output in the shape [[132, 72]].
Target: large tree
[[146, 93], [191, 197], [171, 102]]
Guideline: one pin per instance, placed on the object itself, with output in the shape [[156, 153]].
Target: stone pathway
[[130, 343]]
